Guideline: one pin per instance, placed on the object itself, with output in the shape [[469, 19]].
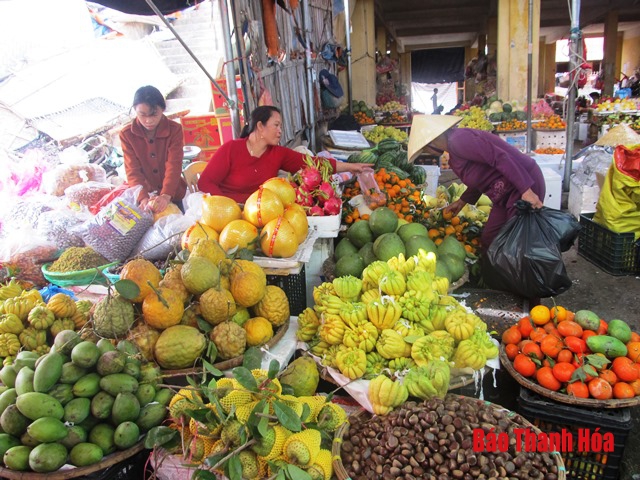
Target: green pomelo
[[352, 264], [383, 220], [451, 245], [416, 242], [301, 375], [360, 233], [410, 229], [454, 265], [388, 245], [442, 270], [367, 253], [401, 223], [344, 247]]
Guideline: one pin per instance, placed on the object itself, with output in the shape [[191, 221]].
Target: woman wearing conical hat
[[485, 163]]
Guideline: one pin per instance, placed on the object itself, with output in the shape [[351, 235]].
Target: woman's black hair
[[151, 96], [260, 114]]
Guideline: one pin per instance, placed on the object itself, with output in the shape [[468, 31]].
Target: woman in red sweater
[[240, 166], [152, 148]]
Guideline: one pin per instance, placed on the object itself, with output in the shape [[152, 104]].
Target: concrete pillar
[[492, 35], [513, 33], [610, 48], [547, 69], [363, 50], [404, 63], [482, 42]]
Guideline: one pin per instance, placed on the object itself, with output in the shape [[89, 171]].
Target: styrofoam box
[[322, 249], [515, 139], [548, 138], [582, 198], [433, 174], [553, 184], [327, 226]]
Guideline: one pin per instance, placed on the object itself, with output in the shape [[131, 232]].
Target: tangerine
[[540, 314], [636, 386], [563, 371], [537, 334], [565, 355], [525, 326], [578, 390], [532, 349], [551, 346], [511, 335], [546, 378], [623, 390], [609, 376], [633, 351], [635, 337], [524, 365], [511, 350], [558, 314], [600, 389], [624, 369]]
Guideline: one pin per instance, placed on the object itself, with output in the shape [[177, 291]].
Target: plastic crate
[[550, 416], [295, 286], [615, 253]]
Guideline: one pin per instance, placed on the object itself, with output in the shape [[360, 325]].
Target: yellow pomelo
[[238, 233], [259, 331], [217, 211], [278, 239], [281, 187], [195, 232], [261, 207], [297, 217]]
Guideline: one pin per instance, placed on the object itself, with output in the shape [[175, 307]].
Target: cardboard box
[[219, 102], [202, 131], [225, 127]]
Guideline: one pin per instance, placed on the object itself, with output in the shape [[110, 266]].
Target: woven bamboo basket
[[227, 364], [563, 397], [341, 473], [64, 474]]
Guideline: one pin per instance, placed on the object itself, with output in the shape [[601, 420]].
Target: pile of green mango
[[76, 404]]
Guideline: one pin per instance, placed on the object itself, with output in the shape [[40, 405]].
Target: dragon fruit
[[326, 190], [315, 211], [333, 206], [310, 177]]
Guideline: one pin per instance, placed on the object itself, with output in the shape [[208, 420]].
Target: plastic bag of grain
[[118, 227]]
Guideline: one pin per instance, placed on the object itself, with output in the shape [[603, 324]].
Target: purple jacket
[[487, 164]]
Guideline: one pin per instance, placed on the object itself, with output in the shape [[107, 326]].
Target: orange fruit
[[565, 355], [540, 314], [545, 377], [524, 365], [600, 389], [511, 350], [525, 326], [563, 371], [609, 376], [511, 335], [558, 314], [623, 390], [624, 368], [551, 346], [532, 349], [633, 351], [578, 390]]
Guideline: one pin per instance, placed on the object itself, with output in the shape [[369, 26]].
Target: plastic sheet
[[57, 226]]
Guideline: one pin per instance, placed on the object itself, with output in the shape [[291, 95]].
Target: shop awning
[[140, 7]]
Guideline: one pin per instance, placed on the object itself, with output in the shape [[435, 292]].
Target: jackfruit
[[322, 468], [270, 446], [302, 448]]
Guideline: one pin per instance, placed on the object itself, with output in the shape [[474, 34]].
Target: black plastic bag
[[526, 256]]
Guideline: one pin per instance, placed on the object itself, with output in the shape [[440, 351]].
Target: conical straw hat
[[425, 128]]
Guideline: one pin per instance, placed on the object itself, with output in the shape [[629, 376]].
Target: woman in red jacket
[[240, 166], [152, 147]]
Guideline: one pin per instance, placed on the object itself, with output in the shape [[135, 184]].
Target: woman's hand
[[454, 208], [159, 203], [354, 168], [532, 198]]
